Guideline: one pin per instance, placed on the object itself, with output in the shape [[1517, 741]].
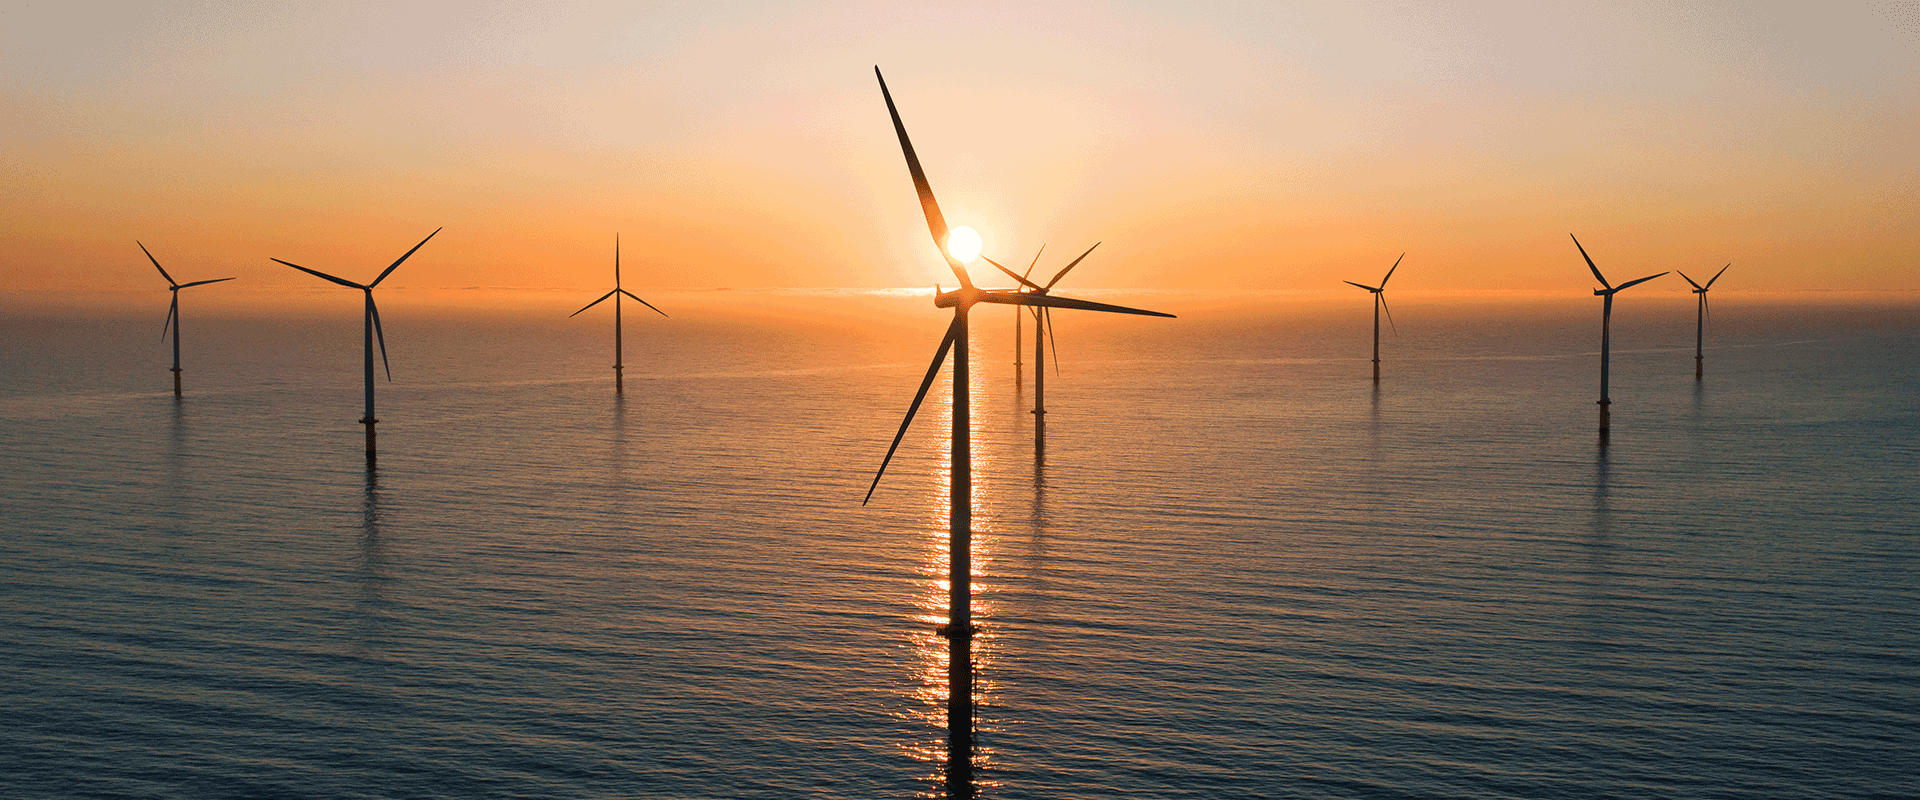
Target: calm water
[[1237, 571]]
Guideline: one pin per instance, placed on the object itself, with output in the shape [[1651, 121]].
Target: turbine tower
[[1042, 335], [619, 385], [1606, 325], [1379, 302], [1700, 321], [373, 331], [959, 629], [173, 312]]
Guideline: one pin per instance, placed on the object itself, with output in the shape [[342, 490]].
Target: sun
[[963, 244]]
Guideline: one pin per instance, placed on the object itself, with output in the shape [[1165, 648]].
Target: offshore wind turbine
[[956, 247], [1042, 330], [372, 330], [173, 311], [619, 386], [1700, 320], [1606, 324], [1017, 314], [1380, 302]]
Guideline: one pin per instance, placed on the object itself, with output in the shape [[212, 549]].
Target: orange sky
[[1237, 145]]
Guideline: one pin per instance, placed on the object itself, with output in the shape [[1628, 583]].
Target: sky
[[1207, 146]]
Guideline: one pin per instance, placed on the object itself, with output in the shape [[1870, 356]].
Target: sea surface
[[1236, 569]]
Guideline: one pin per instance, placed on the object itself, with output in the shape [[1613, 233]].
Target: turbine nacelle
[[1611, 289]]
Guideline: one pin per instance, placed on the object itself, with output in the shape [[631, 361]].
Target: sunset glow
[[1215, 147]]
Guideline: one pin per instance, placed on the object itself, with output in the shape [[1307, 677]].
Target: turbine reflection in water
[[370, 608], [931, 649]]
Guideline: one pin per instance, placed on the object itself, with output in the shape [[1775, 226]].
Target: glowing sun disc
[[963, 244]]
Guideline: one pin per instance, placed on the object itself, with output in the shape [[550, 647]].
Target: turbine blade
[[172, 309], [1036, 260], [1063, 272], [202, 283], [380, 335], [156, 263], [1716, 276], [342, 281], [1015, 275], [396, 263], [1596, 270], [954, 331], [642, 302], [1706, 308], [1389, 310], [1696, 284], [1636, 280], [616, 262], [1052, 341], [936, 224], [1055, 301], [592, 304], [1361, 285], [1396, 265]]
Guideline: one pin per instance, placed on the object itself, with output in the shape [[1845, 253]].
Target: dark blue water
[[1237, 570]]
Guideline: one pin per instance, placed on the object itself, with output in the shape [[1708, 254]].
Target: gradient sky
[[1211, 146]]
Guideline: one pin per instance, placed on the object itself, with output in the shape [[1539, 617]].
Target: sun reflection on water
[[929, 690]]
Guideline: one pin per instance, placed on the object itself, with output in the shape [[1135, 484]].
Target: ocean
[[1237, 568]]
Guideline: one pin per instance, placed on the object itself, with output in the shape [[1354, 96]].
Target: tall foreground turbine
[[1379, 302], [173, 312], [1606, 325], [959, 629], [619, 385], [372, 331], [1700, 321], [1042, 336]]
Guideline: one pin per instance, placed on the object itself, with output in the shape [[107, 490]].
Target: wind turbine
[[1018, 314], [1379, 302], [1700, 320], [372, 330], [1042, 330], [1606, 324], [958, 246], [619, 386], [173, 312]]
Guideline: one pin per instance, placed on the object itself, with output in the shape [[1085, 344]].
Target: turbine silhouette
[[1380, 302], [619, 385], [173, 311], [959, 629], [1606, 325], [372, 331], [1042, 335], [1700, 320], [1017, 313]]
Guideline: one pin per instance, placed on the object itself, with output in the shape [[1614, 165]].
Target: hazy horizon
[[1209, 146]]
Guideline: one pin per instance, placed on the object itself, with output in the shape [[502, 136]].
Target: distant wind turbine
[[1042, 330], [1606, 324], [619, 385], [1700, 321], [1380, 302], [1018, 313], [173, 312], [372, 330], [958, 246]]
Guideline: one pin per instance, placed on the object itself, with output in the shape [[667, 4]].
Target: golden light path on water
[[930, 650]]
